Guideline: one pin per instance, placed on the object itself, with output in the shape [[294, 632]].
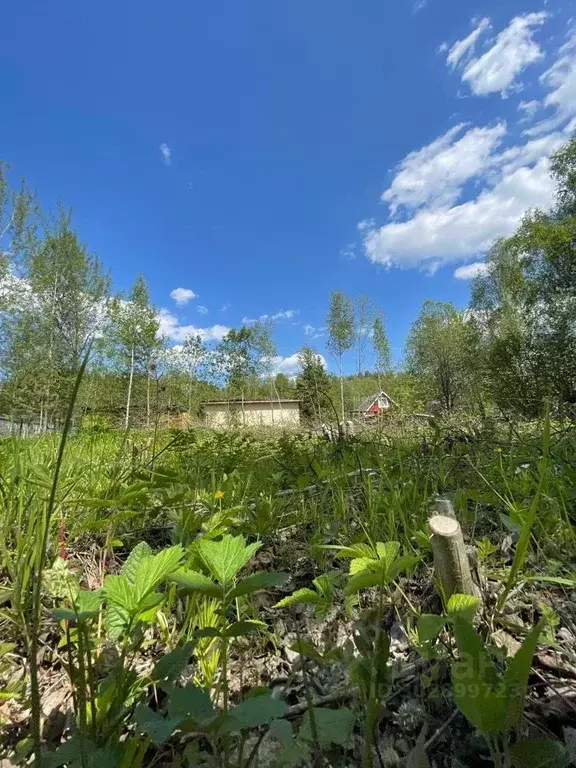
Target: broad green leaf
[[405, 563], [464, 606], [387, 553], [116, 621], [537, 753], [298, 598], [258, 710], [474, 681], [333, 726], [256, 581], [193, 581], [241, 628], [360, 564], [151, 570], [190, 702], [225, 558], [88, 601], [158, 727], [362, 580], [129, 568], [172, 664], [118, 590], [325, 585], [516, 676], [281, 730], [429, 626]]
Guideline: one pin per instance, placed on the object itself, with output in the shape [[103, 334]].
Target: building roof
[[239, 401], [365, 404]]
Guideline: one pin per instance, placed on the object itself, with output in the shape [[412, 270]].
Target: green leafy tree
[[59, 310], [436, 352], [133, 336], [381, 348], [365, 315], [312, 385], [340, 323]]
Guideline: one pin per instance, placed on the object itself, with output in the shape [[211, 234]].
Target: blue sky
[[262, 154]]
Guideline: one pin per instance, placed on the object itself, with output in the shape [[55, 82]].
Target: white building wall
[[273, 414]]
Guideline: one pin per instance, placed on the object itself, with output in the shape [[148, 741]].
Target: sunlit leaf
[[151, 570], [141, 550], [429, 626], [299, 597], [464, 606], [225, 558]]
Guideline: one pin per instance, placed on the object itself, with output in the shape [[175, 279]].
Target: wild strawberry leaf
[[193, 581], [225, 558], [151, 570], [256, 581]]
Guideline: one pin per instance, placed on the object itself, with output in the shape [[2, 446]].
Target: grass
[[71, 512]]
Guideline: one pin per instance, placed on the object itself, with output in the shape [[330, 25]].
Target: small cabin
[[373, 406], [283, 413]]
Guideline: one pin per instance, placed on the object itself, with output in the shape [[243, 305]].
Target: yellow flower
[[219, 495]]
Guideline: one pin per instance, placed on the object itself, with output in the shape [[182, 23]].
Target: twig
[[439, 731]]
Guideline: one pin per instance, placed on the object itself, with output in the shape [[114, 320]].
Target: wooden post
[[450, 558]]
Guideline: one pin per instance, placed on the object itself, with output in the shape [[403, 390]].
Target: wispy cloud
[[182, 295], [202, 309], [313, 332], [497, 69], [165, 154], [225, 307], [462, 49], [282, 314]]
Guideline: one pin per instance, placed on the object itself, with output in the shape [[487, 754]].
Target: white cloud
[[282, 314], [529, 108], [311, 330], [290, 365], [171, 328], [435, 174], [560, 81], [469, 271], [433, 237], [165, 154], [182, 295], [497, 70], [202, 309], [462, 49], [225, 307]]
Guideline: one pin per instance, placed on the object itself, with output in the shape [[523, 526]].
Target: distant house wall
[[252, 414]]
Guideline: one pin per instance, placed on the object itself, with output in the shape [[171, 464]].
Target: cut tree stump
[[450, 558]]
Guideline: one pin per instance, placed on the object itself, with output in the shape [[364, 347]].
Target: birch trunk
[[129, 396]]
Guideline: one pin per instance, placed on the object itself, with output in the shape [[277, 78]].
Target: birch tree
[[340, 323], [133, 335]]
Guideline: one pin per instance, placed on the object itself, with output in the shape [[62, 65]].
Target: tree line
[[513, 348]]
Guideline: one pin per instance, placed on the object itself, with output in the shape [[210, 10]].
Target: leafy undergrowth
[[237, 600]]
